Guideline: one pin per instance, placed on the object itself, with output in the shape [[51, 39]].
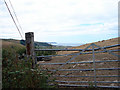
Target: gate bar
[[74, 85], [80, 62], [84, 69], [93, 54], [76, 49]]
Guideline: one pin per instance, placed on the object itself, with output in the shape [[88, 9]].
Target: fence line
[[80, 62], [32, 52], [87, 81], [85, 76], [77, 70], [77, 49], [74, 85], [77, 53], [84, 69]]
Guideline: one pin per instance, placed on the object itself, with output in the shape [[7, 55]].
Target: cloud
[[61, 18]]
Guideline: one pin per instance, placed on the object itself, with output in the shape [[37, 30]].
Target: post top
[[29, 34]]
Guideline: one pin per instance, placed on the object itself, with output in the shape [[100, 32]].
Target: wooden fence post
[[30, 47]]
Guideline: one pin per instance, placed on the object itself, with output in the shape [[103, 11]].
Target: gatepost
[[30, 47]]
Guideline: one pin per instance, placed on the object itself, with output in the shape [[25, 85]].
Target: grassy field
[[12, 49], [82, 58], [102, 43], [17, 71]]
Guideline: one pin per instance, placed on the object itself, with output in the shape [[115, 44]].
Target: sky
[[62, 21]]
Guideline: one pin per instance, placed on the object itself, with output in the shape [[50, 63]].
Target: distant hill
[[37, 43], [102, 43], [42, 44], [8, 42], [11, 42]]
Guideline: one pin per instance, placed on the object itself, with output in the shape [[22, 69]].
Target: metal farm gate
[[66, 79]]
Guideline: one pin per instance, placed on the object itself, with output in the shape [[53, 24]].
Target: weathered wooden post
[[30, 47]]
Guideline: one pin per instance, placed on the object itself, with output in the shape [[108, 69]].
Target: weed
[[18, 73], [91, 85]]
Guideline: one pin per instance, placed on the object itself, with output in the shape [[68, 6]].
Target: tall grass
[[18, 73]]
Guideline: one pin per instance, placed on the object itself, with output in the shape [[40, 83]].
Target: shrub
[[18, 73], [40, 53]]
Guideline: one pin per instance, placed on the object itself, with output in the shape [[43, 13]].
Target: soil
[[87, 57]]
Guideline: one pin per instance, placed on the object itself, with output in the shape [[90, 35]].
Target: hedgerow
[[18, 73]]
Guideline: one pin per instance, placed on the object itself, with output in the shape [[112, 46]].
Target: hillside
[[104, 57], [102, 43], [10, 42], [21, 43]]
